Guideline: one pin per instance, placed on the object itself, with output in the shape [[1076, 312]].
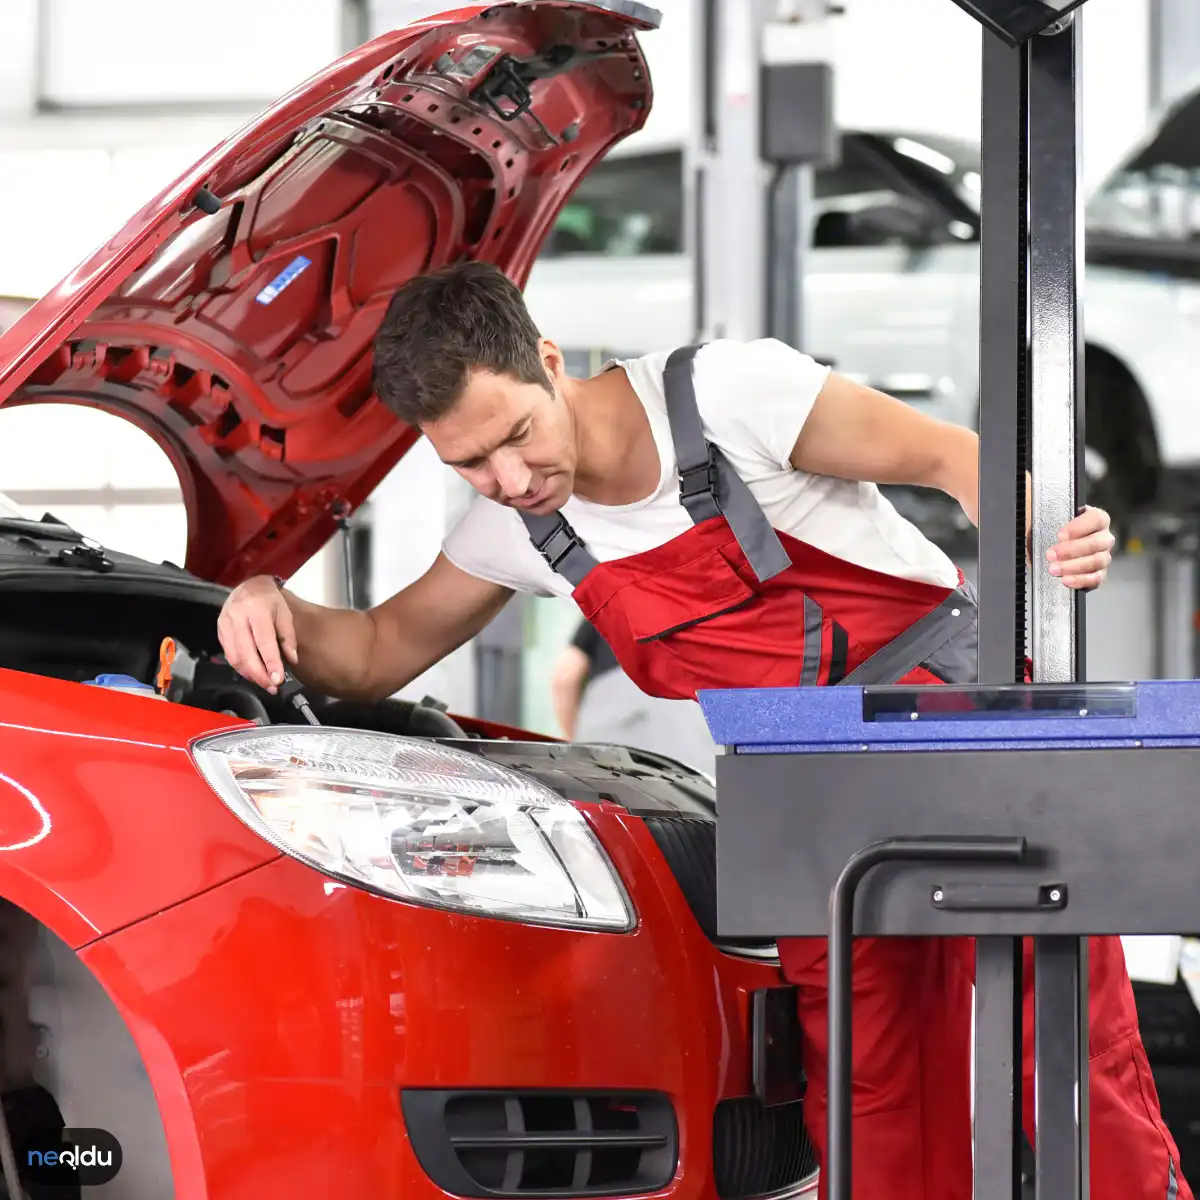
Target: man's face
[[513, 442]]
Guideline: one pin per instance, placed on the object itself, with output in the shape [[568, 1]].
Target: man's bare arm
[[856, 432], [350, 654]]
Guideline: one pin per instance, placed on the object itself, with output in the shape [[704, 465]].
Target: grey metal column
[[1003, 430], [1031, 415], [998, 1012], [728, 220], [1057, 445], [1003, 361], [1056, 408]]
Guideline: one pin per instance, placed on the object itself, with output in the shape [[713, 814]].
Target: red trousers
[[911, 1093]]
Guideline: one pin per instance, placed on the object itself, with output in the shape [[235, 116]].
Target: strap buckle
[[558, 543], [695, 482]]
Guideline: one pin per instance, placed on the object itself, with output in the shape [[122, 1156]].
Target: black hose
[[240, 700], [404, 717]]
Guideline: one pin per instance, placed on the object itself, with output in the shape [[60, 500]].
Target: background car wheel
[[1123, 463]]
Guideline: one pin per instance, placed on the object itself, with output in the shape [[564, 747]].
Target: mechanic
[[595, 701], [715, 515]]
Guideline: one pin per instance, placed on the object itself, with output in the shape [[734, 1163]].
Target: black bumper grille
[[689, 844], [563, 1144], [758, 1151]]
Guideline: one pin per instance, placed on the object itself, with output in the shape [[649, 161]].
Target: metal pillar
[[1031, 416], [766, 105], [730, 279]]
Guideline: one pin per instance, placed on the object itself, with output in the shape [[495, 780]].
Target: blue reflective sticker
[[286, 276]]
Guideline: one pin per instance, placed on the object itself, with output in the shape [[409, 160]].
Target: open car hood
[[232, 317]]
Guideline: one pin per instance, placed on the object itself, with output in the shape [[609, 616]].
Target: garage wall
[[182, 54]]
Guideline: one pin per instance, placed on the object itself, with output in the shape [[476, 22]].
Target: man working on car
[[715, 515]]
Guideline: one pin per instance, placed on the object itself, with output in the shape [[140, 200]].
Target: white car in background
[[892, 290]]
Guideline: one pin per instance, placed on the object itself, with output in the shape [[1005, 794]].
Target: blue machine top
[[1017, 716]]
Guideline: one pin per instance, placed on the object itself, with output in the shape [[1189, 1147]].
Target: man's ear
[[552, 360]]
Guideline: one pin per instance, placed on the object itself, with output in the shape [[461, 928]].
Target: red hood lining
[[272, 425]]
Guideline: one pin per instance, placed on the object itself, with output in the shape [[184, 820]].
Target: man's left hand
[[1083, 554]]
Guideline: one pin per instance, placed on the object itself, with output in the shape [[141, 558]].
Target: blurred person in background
[[595, 701]]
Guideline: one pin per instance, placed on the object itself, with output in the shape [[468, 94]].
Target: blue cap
[[119, 681]]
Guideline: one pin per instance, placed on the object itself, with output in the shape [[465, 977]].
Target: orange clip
[[166, 660]]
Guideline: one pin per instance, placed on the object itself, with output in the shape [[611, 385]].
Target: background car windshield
[[952, 162], [1157, 195], [629, 206]]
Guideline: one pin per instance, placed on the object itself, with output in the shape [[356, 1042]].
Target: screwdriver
[[291, 691]]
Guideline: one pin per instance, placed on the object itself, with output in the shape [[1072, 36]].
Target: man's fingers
[[1084, 582], [266, 640], [1065, 552], [240, 650], [1085, 564], [1089, 521]]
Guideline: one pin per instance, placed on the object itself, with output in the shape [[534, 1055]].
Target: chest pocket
[[680, 598], [702, 624]]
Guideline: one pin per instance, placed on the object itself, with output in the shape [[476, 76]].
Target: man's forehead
[[478, 425]]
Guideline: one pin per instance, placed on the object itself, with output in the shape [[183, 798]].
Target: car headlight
[[418, 821]]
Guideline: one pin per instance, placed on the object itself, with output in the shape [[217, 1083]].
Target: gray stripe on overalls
[[1172, 1181], [708, 485], [945, 638], [810, 669]]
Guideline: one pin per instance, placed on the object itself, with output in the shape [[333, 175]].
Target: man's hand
[[1083, 553], [257, 632]]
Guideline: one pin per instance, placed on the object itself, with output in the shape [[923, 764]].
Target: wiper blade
[[48, 529]]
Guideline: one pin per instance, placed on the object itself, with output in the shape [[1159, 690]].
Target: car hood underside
[[232, 318]]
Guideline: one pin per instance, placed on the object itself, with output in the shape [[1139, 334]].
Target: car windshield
[[956, 162], [1156, 194]]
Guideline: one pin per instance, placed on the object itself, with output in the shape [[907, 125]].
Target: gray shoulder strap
[[708, 484], [559, 544]]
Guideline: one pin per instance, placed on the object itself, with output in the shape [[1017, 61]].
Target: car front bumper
[[290, 1023]]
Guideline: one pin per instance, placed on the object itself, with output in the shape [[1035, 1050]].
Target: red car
[[394, 954]]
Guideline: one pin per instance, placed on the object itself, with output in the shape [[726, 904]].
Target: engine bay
[[82, 633]]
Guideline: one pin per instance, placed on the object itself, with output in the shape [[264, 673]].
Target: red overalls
[[735, 603]]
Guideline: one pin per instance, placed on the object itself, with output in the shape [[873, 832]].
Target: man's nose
[[512, 475]]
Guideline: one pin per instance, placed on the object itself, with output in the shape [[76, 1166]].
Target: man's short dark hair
[[439, 327]]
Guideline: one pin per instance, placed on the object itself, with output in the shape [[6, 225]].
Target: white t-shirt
[[754, 398]]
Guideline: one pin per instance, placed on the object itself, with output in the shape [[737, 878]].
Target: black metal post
[[1061, 1020], [1031, 416], [1003, 361], [1004, 375], [1057, 444], [1056, 383], [998, 1112]]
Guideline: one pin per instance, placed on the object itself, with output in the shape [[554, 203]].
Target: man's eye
[[522, 435]]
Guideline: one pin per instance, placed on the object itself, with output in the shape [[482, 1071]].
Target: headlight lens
[[418, 821]]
